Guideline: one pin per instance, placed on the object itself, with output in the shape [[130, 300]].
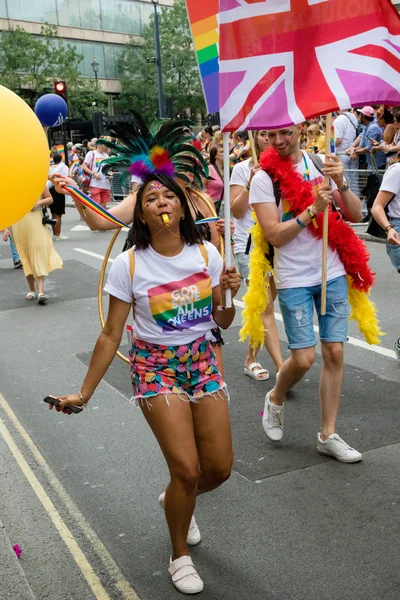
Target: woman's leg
[[57, 226], [31, 282], [271, 339], [212, 430], [172, 424], [40, 284]]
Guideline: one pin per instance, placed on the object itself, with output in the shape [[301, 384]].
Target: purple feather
[[167, 169], [140, 169]]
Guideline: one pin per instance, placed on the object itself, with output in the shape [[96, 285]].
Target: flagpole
[[252, 146], [329, 149], [227, 216]]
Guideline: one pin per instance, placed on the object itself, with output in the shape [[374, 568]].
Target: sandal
[[254, 370], [31, 296], [42, 298]]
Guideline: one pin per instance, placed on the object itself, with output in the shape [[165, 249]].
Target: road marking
[[99, 256], [111, 567], [352, 340], [80, 228]]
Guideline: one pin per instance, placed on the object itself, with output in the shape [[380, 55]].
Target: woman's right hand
[[323, 199], [70, 399], [256, 167]]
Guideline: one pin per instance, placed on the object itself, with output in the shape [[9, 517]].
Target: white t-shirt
[[60, 169], [95, 165], [345, 127], [240, 176], [391, 183], [299, 262], [173, 295]]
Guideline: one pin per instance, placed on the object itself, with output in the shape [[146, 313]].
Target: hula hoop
[[214, 214], [101, 284]]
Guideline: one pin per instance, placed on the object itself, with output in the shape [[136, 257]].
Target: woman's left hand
[[231, 280], [221, 227]]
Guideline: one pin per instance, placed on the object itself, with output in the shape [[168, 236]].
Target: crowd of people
[[172, 273]]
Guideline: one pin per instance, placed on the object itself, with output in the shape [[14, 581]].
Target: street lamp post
[[95, 67], [158, 62]]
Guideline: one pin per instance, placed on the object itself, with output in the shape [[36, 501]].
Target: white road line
[[99, 256], [111, 568], [352, 340]]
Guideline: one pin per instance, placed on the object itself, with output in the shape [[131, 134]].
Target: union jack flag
[[283, 61]]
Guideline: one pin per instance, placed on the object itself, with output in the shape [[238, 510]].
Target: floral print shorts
[[190, 371]]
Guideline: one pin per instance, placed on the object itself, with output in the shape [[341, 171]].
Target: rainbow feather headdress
[[165, 148]]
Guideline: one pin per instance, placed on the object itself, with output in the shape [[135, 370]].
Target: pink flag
[[283, 61]]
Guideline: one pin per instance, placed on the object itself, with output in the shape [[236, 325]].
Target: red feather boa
[[352, 251]]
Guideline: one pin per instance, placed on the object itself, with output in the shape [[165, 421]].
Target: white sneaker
[[184, 576], [273, 420], [194, 535], [336, 447]]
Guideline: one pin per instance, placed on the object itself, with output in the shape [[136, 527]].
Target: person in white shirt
[[100, 184], [345, 126], [298, 277], [58, 206], [240, 181], [389, 198], [176, 283]]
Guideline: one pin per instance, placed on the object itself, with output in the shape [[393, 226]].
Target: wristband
[[300, 223], [388, 228], [312, 216]]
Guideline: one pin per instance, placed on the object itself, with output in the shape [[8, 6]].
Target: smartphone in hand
[[55, 402]]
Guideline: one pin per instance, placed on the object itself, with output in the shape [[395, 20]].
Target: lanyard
[[307, 171]]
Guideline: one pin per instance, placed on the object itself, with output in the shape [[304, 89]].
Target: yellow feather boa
[[256, 298]]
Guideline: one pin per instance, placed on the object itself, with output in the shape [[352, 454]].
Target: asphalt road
[[79, 494]]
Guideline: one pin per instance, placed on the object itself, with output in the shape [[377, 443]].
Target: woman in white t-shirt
[[389, 196], [175, 281], [240, 181]]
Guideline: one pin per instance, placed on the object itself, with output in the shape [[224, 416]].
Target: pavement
[[79, 494]]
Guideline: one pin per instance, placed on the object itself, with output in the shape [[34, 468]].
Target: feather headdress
[[165, 148]]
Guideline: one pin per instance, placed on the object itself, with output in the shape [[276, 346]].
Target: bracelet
[[388, 228], [300, 223], [312, 216], [81, 398]]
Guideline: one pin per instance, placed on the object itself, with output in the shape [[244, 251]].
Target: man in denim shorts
[[298, 276]]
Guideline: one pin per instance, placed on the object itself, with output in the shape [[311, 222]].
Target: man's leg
[[297, 312], [330, 387], [333, 332]]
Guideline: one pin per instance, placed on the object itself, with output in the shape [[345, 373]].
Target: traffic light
[[60, 88]]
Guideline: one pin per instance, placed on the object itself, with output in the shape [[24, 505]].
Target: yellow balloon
[[24, 158]]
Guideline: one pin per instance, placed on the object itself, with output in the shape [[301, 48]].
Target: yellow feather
[[256, 298], [364, 312]]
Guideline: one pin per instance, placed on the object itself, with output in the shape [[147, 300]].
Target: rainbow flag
[[90, 203], [203, 19]]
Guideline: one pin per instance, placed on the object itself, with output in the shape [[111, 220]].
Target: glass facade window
[[107, 57], [120, 16], [3, 9], [79, 13], [41, 11]]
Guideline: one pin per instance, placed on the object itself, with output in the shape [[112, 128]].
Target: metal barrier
[[118, 191]]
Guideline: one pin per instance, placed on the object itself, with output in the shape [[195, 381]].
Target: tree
[[29, 65], [181, 81]]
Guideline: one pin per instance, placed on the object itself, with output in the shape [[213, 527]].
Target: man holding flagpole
[[290, 222]]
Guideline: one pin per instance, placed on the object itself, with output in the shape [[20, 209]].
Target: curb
[[14, 584], [370, 238]]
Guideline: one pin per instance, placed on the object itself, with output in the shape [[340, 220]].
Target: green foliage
[[29, 65], [181, 81]]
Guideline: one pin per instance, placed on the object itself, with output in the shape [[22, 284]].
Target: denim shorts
[[297, 307], [242, 260], [394, 251]]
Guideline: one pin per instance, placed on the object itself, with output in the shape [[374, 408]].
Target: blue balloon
[[51, 110]]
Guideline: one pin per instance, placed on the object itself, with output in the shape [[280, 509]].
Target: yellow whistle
[[165, 219]]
